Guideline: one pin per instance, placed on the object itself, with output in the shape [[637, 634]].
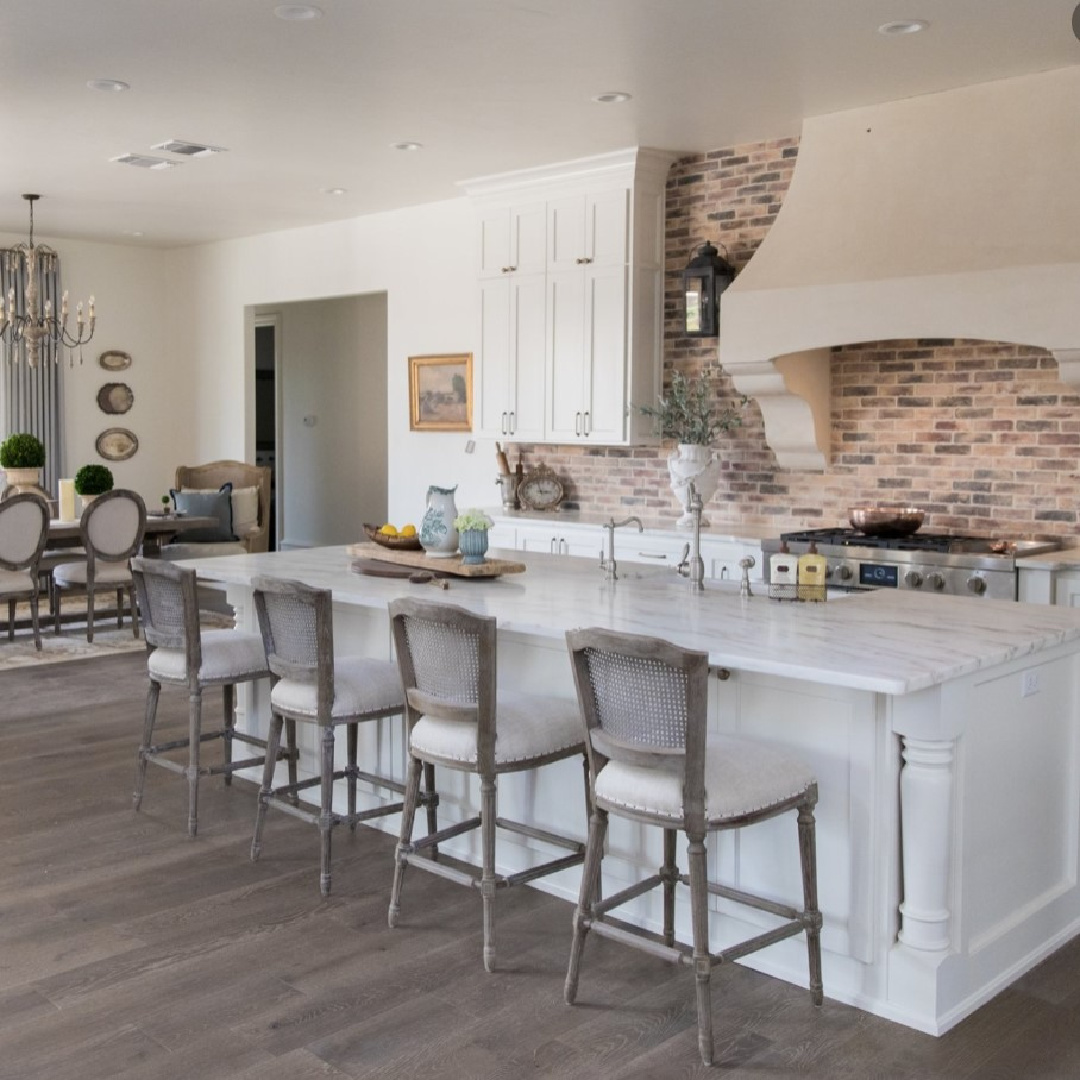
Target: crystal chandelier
[[34, 324]]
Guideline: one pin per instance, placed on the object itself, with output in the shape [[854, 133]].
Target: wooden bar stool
[[313, 686], [643, 702], [181, 654], [458, 721]]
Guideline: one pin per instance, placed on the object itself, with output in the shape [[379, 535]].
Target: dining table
[[160, 529]]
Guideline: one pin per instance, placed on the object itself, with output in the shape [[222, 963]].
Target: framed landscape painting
[[440, 392]]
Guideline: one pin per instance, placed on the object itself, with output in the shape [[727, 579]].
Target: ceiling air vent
[[188, 149], [144, 161]]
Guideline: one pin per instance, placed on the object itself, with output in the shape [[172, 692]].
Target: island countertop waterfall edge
[[949, 821]]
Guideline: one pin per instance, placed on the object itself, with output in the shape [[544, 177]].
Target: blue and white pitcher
[[438, 537]]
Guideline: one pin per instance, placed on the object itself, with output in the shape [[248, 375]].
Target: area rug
[[71, 643]]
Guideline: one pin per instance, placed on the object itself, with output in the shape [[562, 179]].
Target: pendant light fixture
[[30, 321]]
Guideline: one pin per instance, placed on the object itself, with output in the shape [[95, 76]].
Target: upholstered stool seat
[[360, 686], [742, 776], [458, 719], [15, 581], [226, 655], [527, 727], [644, 706], [181, 654], [311, 685]]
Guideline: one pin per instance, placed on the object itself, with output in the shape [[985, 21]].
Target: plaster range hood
[[954, 215]]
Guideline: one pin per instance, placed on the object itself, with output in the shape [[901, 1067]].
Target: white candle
[[67, 500]]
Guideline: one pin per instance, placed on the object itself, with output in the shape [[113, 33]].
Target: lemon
[[388, 530], [408, 530]]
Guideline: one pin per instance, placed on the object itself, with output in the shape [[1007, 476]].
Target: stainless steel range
[[924, 562]]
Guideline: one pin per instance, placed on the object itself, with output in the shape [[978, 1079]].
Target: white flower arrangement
[[473, 520]]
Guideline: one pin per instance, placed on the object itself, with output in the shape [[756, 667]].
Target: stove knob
[[977, 585], [936, 581], [845, 572], [913, 579]]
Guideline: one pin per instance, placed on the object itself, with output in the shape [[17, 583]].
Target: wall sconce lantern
[[704, 279]]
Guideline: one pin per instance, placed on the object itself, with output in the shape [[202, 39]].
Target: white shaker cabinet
[[602, 270], [513, 322]]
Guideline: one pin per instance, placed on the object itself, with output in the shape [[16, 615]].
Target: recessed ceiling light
[[903, 26], [188, 149], [135, 232], [612, 97], [109, 85], [297, 12], [144, 161], [335, 191], [407, 146]]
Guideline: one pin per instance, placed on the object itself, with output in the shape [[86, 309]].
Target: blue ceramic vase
[[473, 543]]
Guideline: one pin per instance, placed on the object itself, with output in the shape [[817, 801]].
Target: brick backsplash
[[983, 435]]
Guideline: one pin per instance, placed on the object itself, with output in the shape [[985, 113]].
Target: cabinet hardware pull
[[564, 547], [504, 424], [652, 555], [551, 546], [507, 269], [722, 673], [513, 422], [577, 424], [584, 261], [587, 426]]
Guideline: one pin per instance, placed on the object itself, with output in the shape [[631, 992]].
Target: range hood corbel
[[953, 215]]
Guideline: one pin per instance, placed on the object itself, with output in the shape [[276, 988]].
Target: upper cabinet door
[[528, 238], [566, 357], [607, 227], [494, 243], [493, 374], [604, 364], [566, 233], [528, 354]]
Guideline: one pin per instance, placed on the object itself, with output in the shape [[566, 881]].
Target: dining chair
[[24, 525], [112, 529], [643, 705], [457, 719], [180, 653], [313, 686]]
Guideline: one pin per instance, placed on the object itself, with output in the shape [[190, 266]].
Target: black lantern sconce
[[707, 276]]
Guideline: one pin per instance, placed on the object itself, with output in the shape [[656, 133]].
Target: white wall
[[136, 314], [333, 374], [422, 258]]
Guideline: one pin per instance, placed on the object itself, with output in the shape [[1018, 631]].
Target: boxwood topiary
[[22, 451], [93, 480]]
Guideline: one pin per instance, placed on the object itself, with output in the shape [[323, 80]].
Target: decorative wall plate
[[540, 489], [114, 360], [115, 398], [117, 444]]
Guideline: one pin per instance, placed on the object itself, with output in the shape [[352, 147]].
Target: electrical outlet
[[1029, 683]]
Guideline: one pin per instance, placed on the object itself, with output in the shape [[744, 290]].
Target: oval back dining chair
[[24, 526], [112, 529]]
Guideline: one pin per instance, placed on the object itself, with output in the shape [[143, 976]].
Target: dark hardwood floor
[[127, 951]]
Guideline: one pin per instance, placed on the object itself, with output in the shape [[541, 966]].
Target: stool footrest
[[552, 867], [452, 873], [534, 833], [632, 892], [744, 948], [785, 911], [443, 834], [675, 953], [232, 766], [381, 781]]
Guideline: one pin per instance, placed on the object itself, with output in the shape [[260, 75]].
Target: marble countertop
[[882, 641], [1051, 560]]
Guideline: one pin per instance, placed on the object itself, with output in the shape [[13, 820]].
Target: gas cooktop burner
[[922, 541]]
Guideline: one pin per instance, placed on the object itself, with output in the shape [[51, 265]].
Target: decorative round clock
[[540, 489]]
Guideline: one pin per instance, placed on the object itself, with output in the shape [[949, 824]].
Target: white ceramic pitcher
[[438, 537]]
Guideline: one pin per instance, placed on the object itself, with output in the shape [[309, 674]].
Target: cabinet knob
[[508, 269]]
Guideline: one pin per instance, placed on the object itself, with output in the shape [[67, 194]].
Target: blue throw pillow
[[206, 504]]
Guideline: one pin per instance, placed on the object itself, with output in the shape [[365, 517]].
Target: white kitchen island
[[944, 733]]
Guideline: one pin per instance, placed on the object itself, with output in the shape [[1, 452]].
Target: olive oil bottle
[[812, 567]]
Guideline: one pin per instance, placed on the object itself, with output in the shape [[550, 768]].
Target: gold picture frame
[[440, 392]]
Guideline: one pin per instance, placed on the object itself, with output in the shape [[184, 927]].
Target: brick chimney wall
[[982, 435]]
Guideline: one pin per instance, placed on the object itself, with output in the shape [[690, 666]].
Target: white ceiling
[[485, 86]]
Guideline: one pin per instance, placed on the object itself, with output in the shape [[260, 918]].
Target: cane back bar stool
[[181, 654], [112, 529], [456, 720], [643, 703], [24, 526], [314, 686]]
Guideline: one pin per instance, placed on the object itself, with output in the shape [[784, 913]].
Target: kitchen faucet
[[611, 526], [696, 569]]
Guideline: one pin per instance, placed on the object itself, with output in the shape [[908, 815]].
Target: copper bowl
[[886, 520]]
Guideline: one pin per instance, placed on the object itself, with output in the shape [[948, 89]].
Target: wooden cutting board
[[420, 560]]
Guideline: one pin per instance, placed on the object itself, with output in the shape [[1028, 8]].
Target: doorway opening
[[266, 349]]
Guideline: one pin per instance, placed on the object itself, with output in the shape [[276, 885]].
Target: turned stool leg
[[408, 817], [148, 735]]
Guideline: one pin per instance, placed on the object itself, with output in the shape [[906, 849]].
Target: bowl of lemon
[[390, 536]]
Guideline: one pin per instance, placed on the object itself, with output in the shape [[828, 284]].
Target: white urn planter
[[23, 478], [688, 463]]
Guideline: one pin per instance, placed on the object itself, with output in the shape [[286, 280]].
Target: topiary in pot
[[93, 480], [22, 451]]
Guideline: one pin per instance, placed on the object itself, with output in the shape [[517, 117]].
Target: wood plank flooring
[[129, 953]]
